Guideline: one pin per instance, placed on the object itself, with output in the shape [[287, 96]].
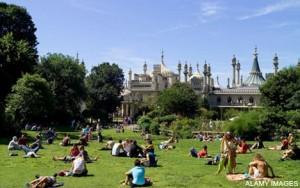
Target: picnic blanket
[[240, 177]]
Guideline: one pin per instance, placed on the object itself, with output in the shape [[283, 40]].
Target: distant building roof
[[255, 77]]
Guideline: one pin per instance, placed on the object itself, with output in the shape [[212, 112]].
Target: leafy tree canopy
[[66, 77], [31, 100], [179, 99], [282, 91], [105, 84]]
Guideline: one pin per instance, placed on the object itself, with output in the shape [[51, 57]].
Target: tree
[[282, 91], [31, 100], [15, 19], [179, 99], [18, 42], [66, 77], [104, 84], [16, 58]]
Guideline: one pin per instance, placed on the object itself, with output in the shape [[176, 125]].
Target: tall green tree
[[179, 99], [66, 77], [282, 91], [31, 100], [105, 84], [18, 53]]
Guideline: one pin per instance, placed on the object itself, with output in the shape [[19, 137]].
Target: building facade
[[142, 88]]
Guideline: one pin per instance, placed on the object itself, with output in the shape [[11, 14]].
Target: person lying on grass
[[109, 144], [203, 153], [74, 152], [259, 167], [78, 168], [136, 176], [193, 152], [42, 182], [284, 144], [168, 144], [293, 153], [243, 147]]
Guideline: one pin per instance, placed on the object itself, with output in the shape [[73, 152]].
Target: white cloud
[[272, 8], [209, 10]]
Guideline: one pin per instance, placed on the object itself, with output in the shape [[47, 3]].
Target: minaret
[[233, 63], [275, 63], [145, 68], [185, 72], [241, 80], [129, 78], [208, 77], [205, 77], [179, 70], [255, 77], [198, 70], [190, 71], [298, 62], [228, 83], [162, 57], [238, 68]]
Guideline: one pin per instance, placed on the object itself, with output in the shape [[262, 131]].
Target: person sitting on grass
[[118, 150], [293, 153], [135, 150], [74, 152], [109, 144], [259, 167], [37, 142], [83, 140], [66, 140], [149, 160], [13, 144], [78, 168], [203, 153], [126, 145], [149, 147], [136, 176], [193, 152], [43, 182], [243, 147], [83, 153], [284, 144], [291, 139], [22, 140], [258, 143]]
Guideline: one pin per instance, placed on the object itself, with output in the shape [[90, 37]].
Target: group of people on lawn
[[229, 148]]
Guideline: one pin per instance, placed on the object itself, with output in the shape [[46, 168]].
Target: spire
[[298, 62], [275, 63], [190, 71], [185, 72], [179, 70], [145, 67], [77, 57], [162, 57], [198, 70], [255, 77]]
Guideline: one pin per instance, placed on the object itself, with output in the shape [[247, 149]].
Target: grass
[[176, 170]]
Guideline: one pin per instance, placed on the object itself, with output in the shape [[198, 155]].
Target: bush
[[184, 127], [167, 119], [245, 125], [149, 125]]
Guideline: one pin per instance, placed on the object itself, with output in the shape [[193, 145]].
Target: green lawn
[[176, 170]]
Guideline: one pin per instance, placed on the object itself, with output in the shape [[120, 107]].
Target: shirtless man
[[258, 168]]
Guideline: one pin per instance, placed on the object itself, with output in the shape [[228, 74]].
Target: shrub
[[184, 127]]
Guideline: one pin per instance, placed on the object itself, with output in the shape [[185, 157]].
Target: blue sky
[[133, 31]]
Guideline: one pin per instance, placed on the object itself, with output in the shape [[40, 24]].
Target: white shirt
[[116, 149], [78, 167]]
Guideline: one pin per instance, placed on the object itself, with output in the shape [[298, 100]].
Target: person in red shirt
[[243, 147], [203, 153], [74, 152], [22, 140]]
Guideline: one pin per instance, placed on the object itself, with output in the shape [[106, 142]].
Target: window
[[218, 100], [240, 100], [229, 100], [251, 100]]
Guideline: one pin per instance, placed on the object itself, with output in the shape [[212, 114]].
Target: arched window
[[229, 100]]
